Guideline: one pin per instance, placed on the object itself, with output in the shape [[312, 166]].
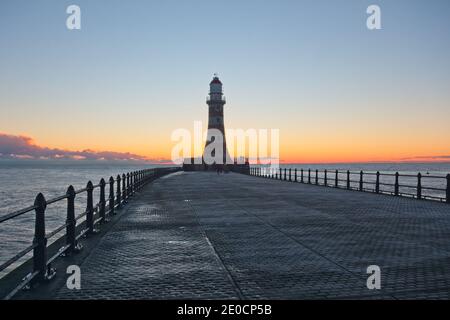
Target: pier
[[188, 235]]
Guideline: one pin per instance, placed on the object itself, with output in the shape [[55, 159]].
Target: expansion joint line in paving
[[218, 258]]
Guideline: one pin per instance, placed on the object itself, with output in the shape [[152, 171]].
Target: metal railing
[[120, 190], [384, 183]]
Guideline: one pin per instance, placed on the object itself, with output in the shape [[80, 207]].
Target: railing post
[[128, 185], [419, 186], [90, 208], [396, 186], [361, 181], [309, 176], [295, 173], [336, 179], [119, 192], [111, 196], [139, 180], [348, 179], [377, 183], [317, 176], [71, 223], [70, 219], [40, 242], [131, 182], [301, 176], [325, 178], [136, 181], [136, 188], [102, 202], [124, 188], [290, 177], [448, 189], [281, 174]]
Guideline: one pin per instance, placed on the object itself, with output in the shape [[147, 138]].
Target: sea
[[22, 180]]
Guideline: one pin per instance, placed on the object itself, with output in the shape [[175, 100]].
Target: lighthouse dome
[[216, 80], [215, 86]]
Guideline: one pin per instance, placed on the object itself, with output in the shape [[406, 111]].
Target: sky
[[138, 70]]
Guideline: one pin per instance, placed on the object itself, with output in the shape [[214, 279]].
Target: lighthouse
[[215, 140], [216, 128]]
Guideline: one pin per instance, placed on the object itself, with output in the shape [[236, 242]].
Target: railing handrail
[[131, 182], [311, 176]]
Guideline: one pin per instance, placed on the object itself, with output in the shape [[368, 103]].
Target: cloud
[[23, 147], [443, 157]]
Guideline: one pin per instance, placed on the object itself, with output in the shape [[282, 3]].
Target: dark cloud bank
[[22, 147]]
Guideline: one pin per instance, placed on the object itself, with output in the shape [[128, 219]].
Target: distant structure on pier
[[216, 102], [216, 125]]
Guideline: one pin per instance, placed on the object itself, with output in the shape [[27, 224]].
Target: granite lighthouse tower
[[215, 154], [216, 102]]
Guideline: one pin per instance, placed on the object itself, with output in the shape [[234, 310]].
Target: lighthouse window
[[218, 120]]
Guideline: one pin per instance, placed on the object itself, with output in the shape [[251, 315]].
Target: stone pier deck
[[200, 235]]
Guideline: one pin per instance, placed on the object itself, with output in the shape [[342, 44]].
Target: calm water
[[20, 181]]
